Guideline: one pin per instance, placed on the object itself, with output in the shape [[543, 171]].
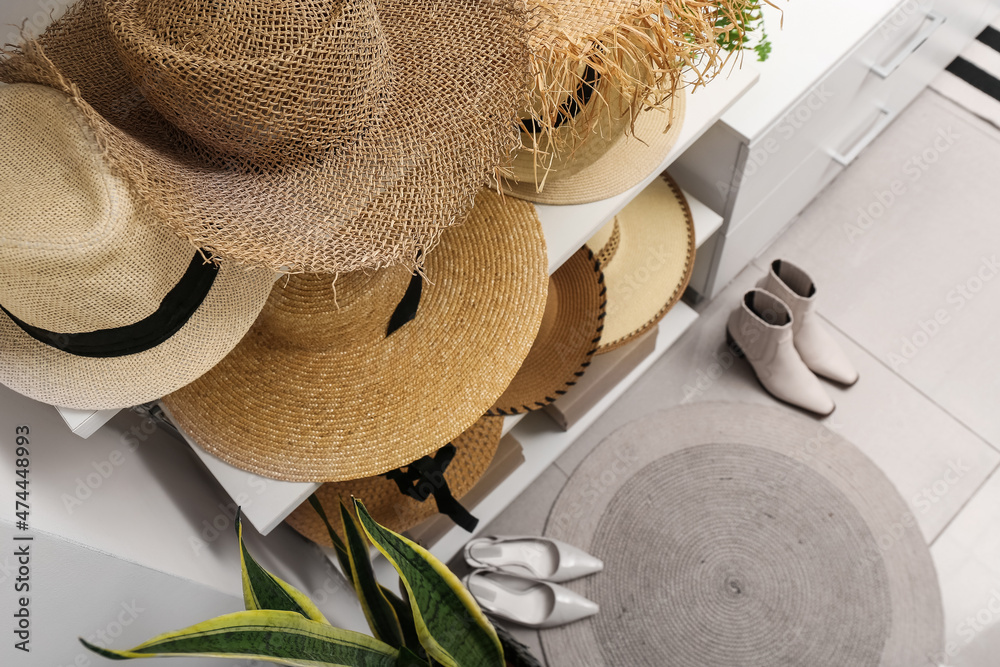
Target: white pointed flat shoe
[[536, 604], [541, 558]]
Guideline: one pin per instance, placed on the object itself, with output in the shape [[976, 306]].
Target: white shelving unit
[[566, 229]]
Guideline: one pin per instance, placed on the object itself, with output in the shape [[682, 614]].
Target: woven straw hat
[[474, 450], [335, 384], [648, 254], [302, 135], [101, 307], [567, 339], [597, 64]]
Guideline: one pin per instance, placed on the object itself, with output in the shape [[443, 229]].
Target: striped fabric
[[973, 78]]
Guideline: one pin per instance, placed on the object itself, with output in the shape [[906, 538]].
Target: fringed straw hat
[[402, 498], [567, 339], [604, 69], [350, 379], [647, 252], [101, 306], [299, 135]]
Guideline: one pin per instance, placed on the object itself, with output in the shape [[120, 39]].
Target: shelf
[[543, 443], [566, 229], [85, 422]]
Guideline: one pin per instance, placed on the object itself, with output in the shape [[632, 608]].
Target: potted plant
[[435, 621]]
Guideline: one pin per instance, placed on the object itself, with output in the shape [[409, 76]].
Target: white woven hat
[[100, 306]]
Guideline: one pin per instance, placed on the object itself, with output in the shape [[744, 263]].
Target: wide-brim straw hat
[[567, 339], [601, 69], [335, 381], [474, 451], [300, 136], [647, 252], [101, 306]]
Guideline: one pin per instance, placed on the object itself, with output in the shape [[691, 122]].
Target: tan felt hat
[[348, 380], [597, 64], [101, 306], [567, 339], [647, 252], [449, 473], [303, 135]]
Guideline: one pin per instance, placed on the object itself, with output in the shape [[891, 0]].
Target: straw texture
[[609, 163], [318, 392], [568, 337], [79, 253], [324, 136], [651, 263], [638, 48], [743, 536], [475, 449]]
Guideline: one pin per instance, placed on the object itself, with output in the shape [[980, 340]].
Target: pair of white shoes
[[777, 330], [514, 579]]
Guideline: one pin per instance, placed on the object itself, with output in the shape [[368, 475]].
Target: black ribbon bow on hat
[[425, 477]]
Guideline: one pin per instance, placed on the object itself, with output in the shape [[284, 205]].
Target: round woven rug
[[743, 536]]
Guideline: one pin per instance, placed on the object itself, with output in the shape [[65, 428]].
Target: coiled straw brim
[[474, 451]]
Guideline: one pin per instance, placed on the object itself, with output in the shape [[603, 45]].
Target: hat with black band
[[101, 307]]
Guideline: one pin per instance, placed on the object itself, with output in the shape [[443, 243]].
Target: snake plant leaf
[[379, 612], [451, 627], [405, 616], [263, 590], [338, 544], [408, 658], [283, 637]]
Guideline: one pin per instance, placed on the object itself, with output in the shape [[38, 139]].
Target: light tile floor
[[908, 291]]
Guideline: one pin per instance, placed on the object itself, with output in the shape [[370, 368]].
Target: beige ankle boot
[[815, 344], [760, 330]]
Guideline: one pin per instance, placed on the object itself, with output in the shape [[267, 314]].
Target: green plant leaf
[[263, 590], [338, 544], [283, 637], [408, 658], [405, 616], [451, 627], [379, 612]]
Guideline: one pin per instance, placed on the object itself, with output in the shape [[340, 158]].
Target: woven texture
[[318, 392], [638, 48], [743, 536], [474, 450], [609, 163], [567, 339], [650, 264], [78, 254], [325, 136]]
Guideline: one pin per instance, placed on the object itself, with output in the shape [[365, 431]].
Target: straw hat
[[303, 135], [473, 451], [101, 307], [383, 368], [647, 252], [604, 69], [567, 339]]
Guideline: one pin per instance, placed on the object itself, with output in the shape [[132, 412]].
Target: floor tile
[[967, 556], [904, 249]]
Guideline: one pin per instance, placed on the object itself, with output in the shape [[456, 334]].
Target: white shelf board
[[568, 227], [543, 442], [85, 422]]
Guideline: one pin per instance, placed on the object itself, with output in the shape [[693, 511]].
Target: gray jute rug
[[743, 536]]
